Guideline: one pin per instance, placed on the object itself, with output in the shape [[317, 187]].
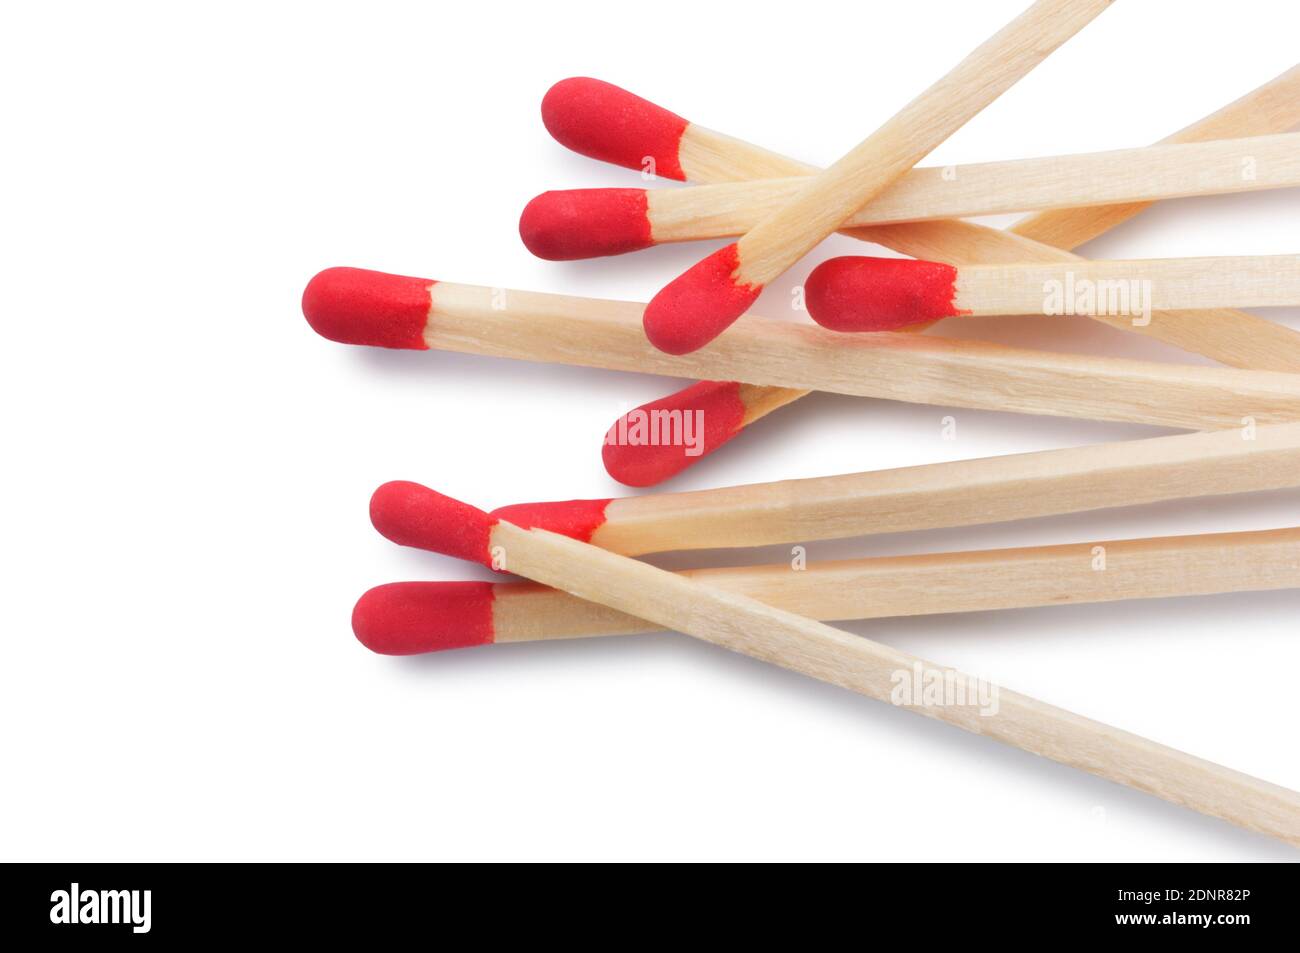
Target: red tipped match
[[604, 122], [407, 618], [355, 306], [413, 515], [699, 304], [585, 223], [578, 519], [634, 457], [880, 294]]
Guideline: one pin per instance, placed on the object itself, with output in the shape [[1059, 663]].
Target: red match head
[[577, 519], [585, 223], [355, 306], [879, 294], [407, 618], [699, 304], [413, 515], [605, 122], [633, 457]]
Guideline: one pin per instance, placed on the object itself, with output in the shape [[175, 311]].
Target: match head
[[356, 306], [634, 460], [858, 293], [413, 515], [699, 304], [409, 618], [604, 122], [577, 519], [585, 223]]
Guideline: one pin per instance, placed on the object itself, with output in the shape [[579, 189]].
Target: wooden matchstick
[[697, 306], [860, 293], [1271, 108], [608, 123], [405, 618], [932, 496], [589, 223], [413, 515], [364, 307]]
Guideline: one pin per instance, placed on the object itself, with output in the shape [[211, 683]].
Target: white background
[[187, 466]]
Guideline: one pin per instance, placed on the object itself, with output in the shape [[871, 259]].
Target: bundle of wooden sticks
[[1244, 417]]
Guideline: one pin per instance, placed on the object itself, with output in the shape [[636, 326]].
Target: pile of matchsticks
[[1245, 415]]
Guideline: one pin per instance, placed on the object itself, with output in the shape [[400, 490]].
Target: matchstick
[[606, 122], [589, 223], [365, 307], [931, 496], [406, 618], [697, 306], [1271, 108], [412, 515], [860, 293]]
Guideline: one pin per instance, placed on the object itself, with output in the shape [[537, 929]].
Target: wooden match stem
[[1154, 172], [1164, 284], [960, 493], [830, 197], [1271, 108], [812, 648], [890, 586], [896, 366]]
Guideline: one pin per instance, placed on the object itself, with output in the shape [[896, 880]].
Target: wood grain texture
[[831, 196], [812, 648], [962, 493], [1115, 288], [1147, 174], [709, 156], [981, 580], [896, 366]]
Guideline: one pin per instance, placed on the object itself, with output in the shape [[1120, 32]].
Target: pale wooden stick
[[1273, 107], [961, 493], [1251, 281], [896, 366], [1236, 338], [891, 586], [1127, 175], [812, 648], [706, 155], [830, 197]]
